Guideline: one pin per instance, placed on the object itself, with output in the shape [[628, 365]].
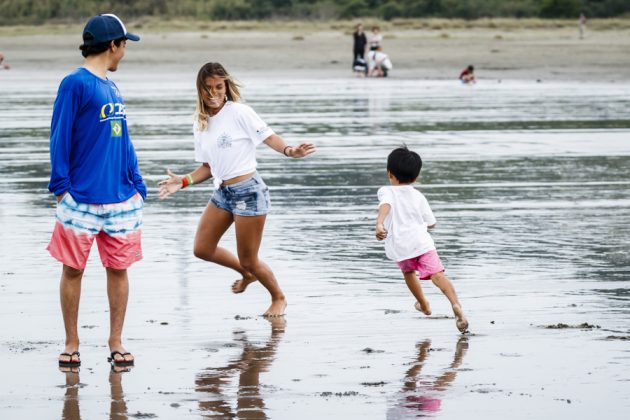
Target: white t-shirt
[[379, 58], [229, 143], [406, 223], [376, 39]]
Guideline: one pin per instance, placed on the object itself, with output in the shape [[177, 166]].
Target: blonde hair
[[232, 91]]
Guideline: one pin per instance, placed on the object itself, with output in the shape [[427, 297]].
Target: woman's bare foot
[[423, 306], [240, 285], [460, 319], [276, 309]]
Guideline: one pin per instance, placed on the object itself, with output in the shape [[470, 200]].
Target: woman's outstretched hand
[[169, 186], [302, 150]]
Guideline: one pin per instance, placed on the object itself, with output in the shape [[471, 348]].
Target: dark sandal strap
[[113, 359]]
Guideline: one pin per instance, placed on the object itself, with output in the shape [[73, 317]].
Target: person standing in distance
[[95, 178]]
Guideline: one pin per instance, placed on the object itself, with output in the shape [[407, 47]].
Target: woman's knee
[[250, 264], [204, 252]]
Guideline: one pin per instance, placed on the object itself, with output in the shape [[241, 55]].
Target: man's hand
[[381, 232]]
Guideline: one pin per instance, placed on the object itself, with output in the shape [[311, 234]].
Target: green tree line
[[14, 12]]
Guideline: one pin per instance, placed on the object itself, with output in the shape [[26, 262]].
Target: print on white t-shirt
[[224, 141]]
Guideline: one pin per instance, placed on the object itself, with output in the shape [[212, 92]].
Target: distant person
[[360, 43], [403, 218], [379, 64], [95, 178], [227, 133], [360, 67], [582, 24], [3, 65], [376, 39], [467, 75]]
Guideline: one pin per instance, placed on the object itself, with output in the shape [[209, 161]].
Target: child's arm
[[383, 211]]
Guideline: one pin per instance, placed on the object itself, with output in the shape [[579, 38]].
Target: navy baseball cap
[[104, 28]]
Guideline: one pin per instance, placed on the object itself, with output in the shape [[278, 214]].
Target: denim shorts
[[245, 198]]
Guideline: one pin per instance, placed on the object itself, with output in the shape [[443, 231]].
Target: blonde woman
[[226, 134]]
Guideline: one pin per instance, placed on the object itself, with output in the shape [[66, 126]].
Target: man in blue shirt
[[95, 178]]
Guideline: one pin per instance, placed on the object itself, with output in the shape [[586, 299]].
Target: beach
[[497, 53], [526, 173]]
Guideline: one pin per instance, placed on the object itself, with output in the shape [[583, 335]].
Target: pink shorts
[[116, 228], [426, 265]]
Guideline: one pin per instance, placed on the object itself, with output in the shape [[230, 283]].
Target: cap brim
[[132, 37]]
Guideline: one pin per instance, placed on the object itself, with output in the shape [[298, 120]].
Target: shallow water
[[530, 186]]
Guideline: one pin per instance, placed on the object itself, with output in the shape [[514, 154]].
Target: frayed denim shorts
[[246, 198]]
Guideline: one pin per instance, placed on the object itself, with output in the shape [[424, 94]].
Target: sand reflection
[[71, 399], [420, 395], [253, 360], [118, 406]]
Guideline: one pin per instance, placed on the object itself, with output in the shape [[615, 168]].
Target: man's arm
[[64, 113], [134, 170]]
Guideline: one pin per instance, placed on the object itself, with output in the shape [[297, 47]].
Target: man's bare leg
[[70, 295], [422, 304], [118, 294]]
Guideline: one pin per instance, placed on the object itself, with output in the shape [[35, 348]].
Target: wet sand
[[497, 53], [528, 182]]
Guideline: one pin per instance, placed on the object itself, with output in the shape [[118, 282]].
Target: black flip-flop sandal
[[113, 361], [70, 363]]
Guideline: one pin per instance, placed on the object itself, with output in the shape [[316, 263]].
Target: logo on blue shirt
[[116, 128], [112, 111]]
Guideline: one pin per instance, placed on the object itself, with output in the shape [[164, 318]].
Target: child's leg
[[445, 285], [414, 287]]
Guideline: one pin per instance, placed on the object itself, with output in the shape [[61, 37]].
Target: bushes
[[560, 8], [38, 11]]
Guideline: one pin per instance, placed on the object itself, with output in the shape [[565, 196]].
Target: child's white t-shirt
[[229, 143], [406, 223]]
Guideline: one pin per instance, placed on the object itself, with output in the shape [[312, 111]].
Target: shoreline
[[531, 54]]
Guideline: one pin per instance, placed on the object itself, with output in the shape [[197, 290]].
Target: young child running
[[403, 218]]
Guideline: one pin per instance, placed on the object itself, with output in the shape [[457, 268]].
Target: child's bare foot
[[240, 285], [460, 319], [423, 306], [276, 309]]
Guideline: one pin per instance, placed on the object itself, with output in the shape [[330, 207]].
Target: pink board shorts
[[426, 265], [116, 228]]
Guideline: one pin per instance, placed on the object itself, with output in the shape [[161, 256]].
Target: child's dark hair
[[404, 164], [95, 49]]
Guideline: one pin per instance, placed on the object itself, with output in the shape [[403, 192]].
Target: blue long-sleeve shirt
[[91, 154]]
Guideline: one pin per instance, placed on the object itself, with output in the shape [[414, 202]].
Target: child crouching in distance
[[403, 218]]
